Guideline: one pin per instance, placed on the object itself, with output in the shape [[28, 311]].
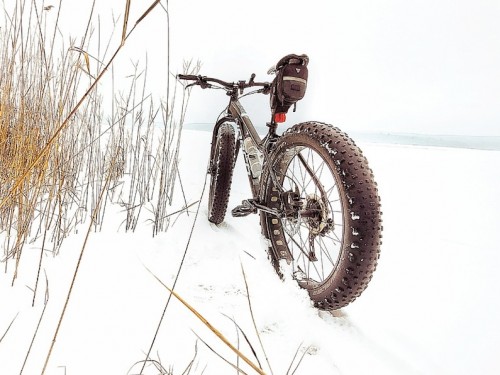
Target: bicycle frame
[[237, 115]]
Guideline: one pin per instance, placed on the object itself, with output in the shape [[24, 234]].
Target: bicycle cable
[[251, 93]]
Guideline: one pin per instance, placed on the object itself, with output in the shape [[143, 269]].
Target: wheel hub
[[317, 217]]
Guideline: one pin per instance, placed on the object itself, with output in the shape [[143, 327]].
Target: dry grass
[[219, 335], [36, 92], [57, 146]]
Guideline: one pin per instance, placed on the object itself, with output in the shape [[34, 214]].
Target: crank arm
[[265, 209]]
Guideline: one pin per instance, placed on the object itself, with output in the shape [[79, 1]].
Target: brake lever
[[201, 82]]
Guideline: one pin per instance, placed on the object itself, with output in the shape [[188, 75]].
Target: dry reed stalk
[[210, 327], [247, 340], [253, 319], [125, 22], [38, 325], [8, 327], [299, 362], [235, 366]]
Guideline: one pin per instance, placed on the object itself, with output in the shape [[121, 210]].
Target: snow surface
[[431, 308]]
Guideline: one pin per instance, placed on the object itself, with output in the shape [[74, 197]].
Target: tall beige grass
[[53, 165]]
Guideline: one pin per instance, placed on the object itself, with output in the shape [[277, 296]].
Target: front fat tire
[[221, 173], [359, 239]]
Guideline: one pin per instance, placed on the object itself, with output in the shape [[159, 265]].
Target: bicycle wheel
[[221, 172], [330, 226]]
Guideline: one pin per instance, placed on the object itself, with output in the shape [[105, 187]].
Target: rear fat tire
[[359, 236], [221, 173]]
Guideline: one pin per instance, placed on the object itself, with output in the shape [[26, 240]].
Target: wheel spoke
[[325, 251], [315, 231], [304, 172]]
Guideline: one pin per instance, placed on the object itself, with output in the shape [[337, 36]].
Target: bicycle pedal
[[244, 209]]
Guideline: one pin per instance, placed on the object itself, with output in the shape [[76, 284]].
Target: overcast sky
[[401, 66]]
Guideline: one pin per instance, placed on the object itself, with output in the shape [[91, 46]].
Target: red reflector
[[280, 117]]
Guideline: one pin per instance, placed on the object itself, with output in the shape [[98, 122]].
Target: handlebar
[[204, 82]]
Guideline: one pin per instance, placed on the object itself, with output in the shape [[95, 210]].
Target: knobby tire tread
[[222, 173], [360, 249]]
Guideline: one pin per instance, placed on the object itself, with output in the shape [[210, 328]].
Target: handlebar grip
[[188, 77]]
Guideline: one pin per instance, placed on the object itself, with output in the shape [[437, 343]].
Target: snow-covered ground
[[431, 308]]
